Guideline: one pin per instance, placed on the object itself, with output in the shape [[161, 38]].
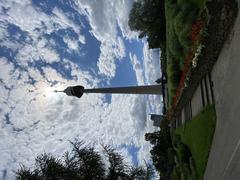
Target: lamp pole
[[78, 91]]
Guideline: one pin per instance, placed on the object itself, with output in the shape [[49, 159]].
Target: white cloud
[[36, 23], [152, 71], [37, 50], [63, 22], [39, 118], [111, 50], [35, 119], [106, 16], [106, 19], [29, 18], [151, 64], [149, 73], [6, 69], [72, 44], [137, 67]]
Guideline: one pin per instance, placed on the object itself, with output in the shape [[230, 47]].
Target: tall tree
[[162, 151], [148, 17], [83, 163]]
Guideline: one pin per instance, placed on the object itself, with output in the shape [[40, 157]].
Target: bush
[[178, 22], [184, 38], [173, 71], [162, 152], [189, 12], [183, 153], [173, 44], [184, 168], [172, 8]]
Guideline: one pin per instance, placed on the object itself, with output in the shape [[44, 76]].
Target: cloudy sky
[[47, 45]]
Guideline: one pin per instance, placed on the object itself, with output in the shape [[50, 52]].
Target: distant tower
[[157, 119], [78, 91]]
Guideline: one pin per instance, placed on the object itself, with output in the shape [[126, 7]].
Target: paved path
[[224, 159]]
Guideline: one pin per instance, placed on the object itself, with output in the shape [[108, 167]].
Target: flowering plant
[[197, 54], [191, 58]]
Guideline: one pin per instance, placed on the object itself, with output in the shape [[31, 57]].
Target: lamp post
[[78, 91]]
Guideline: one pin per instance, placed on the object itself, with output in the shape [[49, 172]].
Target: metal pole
[[152, 89]]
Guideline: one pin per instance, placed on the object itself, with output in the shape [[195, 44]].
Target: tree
[[87, 161], [162, 153], [83, 163], [117, 167], [148, 17]]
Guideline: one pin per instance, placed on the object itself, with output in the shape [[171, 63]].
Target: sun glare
[[44, 97], [47, 92]]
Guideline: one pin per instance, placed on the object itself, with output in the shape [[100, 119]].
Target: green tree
[[83, 163], [162, 152], [148, 17]]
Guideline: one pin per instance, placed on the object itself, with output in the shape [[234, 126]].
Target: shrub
[[173, 78], [190, 12], [172, 8], [162, 152], [184, 38], [179, 22], [174, 45]]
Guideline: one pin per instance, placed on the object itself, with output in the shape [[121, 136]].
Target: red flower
[[194, 35], [195, 31], [187, 64]]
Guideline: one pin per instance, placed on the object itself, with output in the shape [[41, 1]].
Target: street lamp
[[78, 91]]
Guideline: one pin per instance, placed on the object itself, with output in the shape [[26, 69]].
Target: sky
[[47, 45]]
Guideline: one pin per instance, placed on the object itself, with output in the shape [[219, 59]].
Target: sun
[[49, 92], [46, 92], [42, 96]]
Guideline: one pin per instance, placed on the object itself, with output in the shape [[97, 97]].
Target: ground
[[224, 159]]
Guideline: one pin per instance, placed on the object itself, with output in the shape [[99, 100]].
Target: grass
[[197, 134], [180, 15]]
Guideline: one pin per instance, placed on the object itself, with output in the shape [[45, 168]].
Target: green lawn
[[180, 15], [197, 134]]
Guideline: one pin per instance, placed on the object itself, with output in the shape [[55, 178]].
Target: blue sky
[[47, 45]]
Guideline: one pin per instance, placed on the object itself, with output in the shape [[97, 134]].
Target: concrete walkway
[[224, 158]]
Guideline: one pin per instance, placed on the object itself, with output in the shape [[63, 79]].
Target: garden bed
[[182, 38], [222, 17]]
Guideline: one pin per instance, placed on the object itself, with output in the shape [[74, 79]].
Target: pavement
[[224, 158]]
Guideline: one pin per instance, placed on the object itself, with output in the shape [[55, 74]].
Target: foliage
[[82, 163], [182, 152], [148, 17], [184, 168], [197, 134], [173, 72], [162, 151], [186, 154], [163, 60], [183, 33]]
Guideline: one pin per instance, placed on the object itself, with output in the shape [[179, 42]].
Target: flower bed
[[216, 31], [191, 59]]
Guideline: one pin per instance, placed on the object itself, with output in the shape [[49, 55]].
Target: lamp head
[[76, 91]]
